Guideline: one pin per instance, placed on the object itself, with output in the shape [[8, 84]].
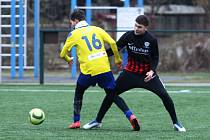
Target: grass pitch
[[192, 106]]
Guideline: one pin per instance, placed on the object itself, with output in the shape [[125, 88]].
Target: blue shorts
[[104, 80]]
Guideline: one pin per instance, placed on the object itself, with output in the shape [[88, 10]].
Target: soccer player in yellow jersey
[[94, 64]]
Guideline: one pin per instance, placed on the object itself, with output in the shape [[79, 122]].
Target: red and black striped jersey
[[136, 66]]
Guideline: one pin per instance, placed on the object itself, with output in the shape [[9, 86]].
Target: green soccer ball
[[36, 116]]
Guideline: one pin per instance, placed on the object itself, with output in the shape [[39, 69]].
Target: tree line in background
[[57, 10]]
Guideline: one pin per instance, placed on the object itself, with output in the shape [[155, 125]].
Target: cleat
[[74, 125], [134, 123], [92, 124], [179, 127]]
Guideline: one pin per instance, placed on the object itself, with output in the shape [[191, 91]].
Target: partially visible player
[[140, 71], [94, 64]]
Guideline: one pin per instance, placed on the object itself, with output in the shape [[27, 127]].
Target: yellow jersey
[[89, 42]]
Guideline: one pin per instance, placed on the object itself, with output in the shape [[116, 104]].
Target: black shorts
[[129, 80]]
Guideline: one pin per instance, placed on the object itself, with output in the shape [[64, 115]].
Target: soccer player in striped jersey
[[140, 71], [94, 64]]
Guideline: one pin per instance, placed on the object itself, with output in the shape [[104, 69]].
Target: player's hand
[[149, 76], [71, 62], [119, 66]]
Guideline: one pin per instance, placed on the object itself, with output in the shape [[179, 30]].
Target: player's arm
[[154, 55], [107, 38], [121, 43], [115, 51], [64, 54], [154, 61]]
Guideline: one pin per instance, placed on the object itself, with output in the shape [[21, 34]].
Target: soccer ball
[[36, 116]]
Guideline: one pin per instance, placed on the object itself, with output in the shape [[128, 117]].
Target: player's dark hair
[[77, 14], [142, 19]]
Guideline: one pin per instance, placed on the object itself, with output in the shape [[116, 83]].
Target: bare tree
[[206, 5], [155, 6]]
